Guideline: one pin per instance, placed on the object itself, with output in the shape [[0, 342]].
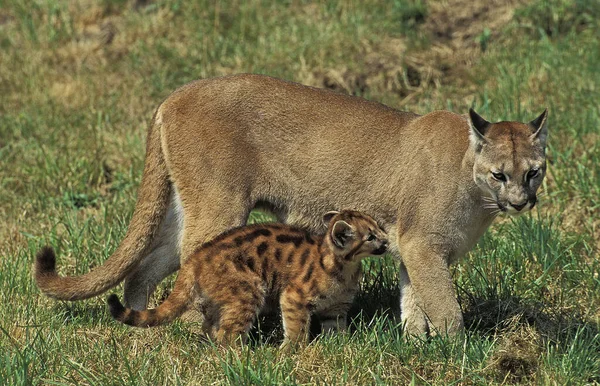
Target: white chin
[[516, 213]]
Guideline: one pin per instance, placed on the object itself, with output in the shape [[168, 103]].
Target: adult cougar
[[218, 147]]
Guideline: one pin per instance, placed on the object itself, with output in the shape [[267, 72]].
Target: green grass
[[79, 83]]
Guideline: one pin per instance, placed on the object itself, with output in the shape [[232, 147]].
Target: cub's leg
[[210, 315], [236, 320], [295, 315], [429, 290], [333, 323], [160, 262], [241, 302], [335, 318]]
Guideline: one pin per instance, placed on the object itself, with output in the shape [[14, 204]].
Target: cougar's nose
[[518, 207]]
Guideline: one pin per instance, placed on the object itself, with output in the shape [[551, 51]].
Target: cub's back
[[272, 252]]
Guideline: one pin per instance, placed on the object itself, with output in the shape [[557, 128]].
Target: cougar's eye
[[371, 237], [532, 173], [499, 176]]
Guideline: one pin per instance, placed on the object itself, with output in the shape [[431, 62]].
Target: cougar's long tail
[[150, 209], [171, 308]]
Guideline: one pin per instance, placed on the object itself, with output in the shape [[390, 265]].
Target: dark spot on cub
[[262, 248], [309, 273], [264, 269], [304, 257], [285, 238]]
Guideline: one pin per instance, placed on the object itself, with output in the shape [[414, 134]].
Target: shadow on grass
[[80, 312], [488, 316], [367, 305], [491, 316], [525, 330]]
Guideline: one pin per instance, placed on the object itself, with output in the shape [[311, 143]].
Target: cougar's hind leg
[[162, 260], [206, 219], [141, 283]]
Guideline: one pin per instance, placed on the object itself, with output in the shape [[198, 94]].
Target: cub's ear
[[479, 127], [341, 233], [540, 129], [328, 216]]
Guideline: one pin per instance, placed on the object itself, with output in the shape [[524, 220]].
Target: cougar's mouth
[[517, 210], [501, 207]]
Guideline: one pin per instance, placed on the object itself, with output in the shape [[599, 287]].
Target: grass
[[79, 82]]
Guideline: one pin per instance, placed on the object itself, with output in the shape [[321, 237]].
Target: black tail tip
[[45, 261], [115, 307]]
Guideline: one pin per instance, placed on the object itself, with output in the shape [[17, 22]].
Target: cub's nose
[[381, 249], [519, 206]]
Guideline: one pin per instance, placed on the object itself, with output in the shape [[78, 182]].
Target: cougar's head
[[354, 235], [510, 161]]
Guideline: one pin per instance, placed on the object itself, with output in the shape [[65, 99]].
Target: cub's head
[[354, 235], [510, 161]]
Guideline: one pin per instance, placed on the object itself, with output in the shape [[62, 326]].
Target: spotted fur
[[237, 272]]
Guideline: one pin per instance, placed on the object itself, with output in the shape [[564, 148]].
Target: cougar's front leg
[[428, 294], [413, 318]]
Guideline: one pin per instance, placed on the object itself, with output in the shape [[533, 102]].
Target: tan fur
[[235, 274], [230, 144]]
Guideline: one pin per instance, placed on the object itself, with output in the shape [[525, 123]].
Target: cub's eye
[[532, 173], [499, 176], [371, 237]]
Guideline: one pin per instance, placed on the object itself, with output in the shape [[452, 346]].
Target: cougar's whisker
[[490, 206]]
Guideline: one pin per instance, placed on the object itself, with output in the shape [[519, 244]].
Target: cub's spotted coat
[[239, 271]]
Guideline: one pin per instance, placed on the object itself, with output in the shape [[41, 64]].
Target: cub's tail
[[171, 308], [150, 209]]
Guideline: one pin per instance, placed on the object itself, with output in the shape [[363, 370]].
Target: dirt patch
[[459, 30], [381, 67], [457, 23], [5, 18], [516, 358]]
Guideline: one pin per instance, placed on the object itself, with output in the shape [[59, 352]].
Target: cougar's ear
[[341, 232], [539, 128], [479, 127], [328, 216]]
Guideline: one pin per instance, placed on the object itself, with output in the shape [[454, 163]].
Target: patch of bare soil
[[5, 18], [382, 67], [459, 31], [516, 358], [457, 23]]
